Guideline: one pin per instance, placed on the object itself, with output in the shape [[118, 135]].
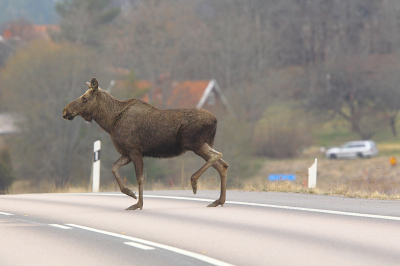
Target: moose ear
[[94, 84]]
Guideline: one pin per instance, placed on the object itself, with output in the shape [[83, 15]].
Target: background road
[[176, 228]]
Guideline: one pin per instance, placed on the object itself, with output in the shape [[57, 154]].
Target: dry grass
[[372, 178], [342, 190], [26, 186], [212, 183], [339, 185]]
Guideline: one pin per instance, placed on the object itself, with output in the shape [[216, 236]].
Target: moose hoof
[[128, 192], [134, 207], [215, 204], [194, 186]]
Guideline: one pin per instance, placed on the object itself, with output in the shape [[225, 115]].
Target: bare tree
[[346, 89], [150, 41], [386, 91], [83, 21]]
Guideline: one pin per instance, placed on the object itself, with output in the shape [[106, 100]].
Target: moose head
[[84, 105]]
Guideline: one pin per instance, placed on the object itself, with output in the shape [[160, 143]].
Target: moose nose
[[66, 114]]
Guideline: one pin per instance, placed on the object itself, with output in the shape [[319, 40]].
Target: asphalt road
[[176, 228]]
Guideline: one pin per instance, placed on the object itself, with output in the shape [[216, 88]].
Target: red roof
[[42, 31], [183, 94], [186, 94], [142, 84], [27, 31]]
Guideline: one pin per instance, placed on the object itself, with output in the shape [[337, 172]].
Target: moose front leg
[[137, 160], [124, 160]]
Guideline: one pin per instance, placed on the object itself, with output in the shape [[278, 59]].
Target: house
[[8, 124], [165, 93], [26, 31], [16, 34], [191, 93], [168, 94]]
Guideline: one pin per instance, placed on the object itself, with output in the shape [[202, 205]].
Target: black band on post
[[96, 156]]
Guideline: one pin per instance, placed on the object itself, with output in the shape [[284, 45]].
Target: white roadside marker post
[[312, 175], [96, 167]]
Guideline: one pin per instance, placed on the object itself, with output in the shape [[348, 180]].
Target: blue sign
[[282, 177]]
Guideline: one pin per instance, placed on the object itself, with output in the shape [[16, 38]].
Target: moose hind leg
[[211, 156], [222, 167], [124, 160], [137, 160]]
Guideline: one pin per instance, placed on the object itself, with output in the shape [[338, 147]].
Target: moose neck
[[107, 110]]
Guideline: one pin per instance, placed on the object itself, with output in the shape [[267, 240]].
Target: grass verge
[[212, 183], [345, 190]]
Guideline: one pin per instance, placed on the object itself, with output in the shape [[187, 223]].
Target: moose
[[138, 130]]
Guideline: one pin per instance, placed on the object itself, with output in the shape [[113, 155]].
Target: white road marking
[[288, 208], [137, 245], [355, 214], [4, 213], [154, 244], [60, 226], [318, 210], [180, 198]]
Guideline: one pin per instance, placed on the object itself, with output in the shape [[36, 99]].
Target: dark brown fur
[[139, 130]]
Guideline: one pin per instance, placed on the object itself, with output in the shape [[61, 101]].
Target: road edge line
[[354, 214]]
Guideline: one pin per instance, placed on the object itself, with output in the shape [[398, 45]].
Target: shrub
[[6, 174], [282, 132]]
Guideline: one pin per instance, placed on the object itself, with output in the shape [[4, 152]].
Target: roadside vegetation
[[298, 76], [372, 178]]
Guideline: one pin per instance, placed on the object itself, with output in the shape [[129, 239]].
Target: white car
[[353, 149]]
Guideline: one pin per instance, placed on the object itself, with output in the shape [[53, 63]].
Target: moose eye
[[84, 99]]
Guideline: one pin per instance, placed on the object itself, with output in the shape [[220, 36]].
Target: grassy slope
[[373, 178]]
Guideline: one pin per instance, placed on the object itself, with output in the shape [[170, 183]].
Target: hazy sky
[[36, 11]]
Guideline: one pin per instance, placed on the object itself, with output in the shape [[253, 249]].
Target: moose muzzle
[[67, 115]]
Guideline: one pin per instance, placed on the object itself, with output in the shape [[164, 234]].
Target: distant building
[[27, 32], [8, 124], [191, 93], [168, 94], [17, 33]]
